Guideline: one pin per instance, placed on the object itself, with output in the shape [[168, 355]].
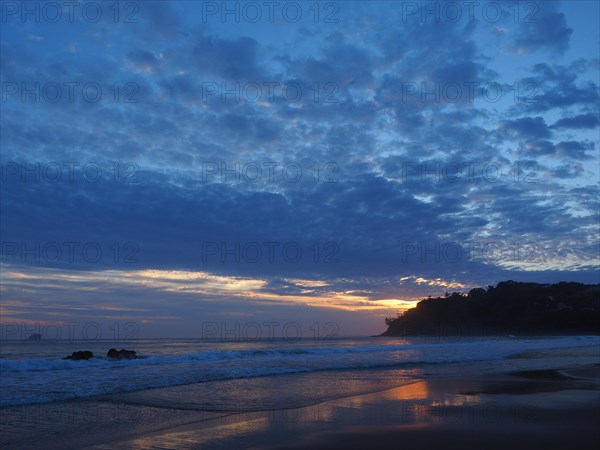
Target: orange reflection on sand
[[414, 391], [425, 404], [195, 435]]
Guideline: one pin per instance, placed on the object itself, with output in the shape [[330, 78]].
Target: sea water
[[35, 372]]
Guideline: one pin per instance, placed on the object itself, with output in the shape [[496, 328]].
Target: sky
[[254, 169]]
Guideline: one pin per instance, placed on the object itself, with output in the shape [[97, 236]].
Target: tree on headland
[[510, 307]]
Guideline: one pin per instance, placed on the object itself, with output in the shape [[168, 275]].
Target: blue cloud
[[580, 121], [543, 28]]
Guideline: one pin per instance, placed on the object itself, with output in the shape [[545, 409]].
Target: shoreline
[[543, 408]]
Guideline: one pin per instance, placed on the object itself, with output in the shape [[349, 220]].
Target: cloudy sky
[[172, 167]]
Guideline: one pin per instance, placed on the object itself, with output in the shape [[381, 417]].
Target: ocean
[[289, 372]]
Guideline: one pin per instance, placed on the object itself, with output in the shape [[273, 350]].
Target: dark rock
[[121, 354], [35, 337], [77, 356]]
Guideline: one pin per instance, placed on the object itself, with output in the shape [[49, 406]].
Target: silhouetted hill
[[509, 308]]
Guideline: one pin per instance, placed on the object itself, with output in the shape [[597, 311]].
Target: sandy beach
[[529, 409]]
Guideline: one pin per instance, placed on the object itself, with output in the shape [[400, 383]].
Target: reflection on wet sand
[[198, 437], [413, 406], [435, 410]]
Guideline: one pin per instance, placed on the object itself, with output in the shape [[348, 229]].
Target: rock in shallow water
[[77, 356], [121, 354]]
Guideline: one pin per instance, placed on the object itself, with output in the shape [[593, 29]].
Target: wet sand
[[547, 410], [528, 409]]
